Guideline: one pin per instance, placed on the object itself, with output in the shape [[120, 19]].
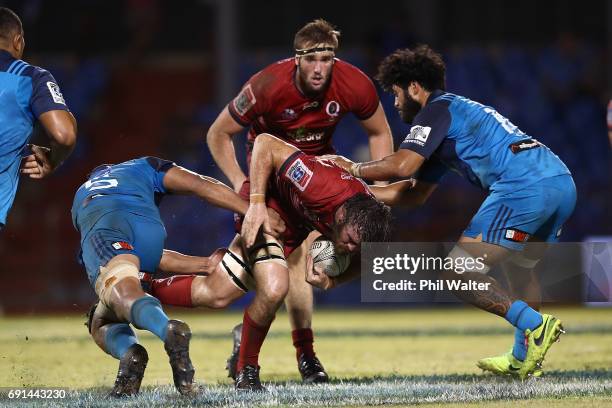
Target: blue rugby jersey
[[454, 132], [26, 92], [136, 186]]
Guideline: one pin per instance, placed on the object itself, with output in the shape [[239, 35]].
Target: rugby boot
[[538, 342], [506, 364], [248, 379], [312, 370], [232, 362], [131, 370], [177, 346]]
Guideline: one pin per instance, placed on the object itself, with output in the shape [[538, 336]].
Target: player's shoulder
[[436, 109], [273, 78], [349, 72]]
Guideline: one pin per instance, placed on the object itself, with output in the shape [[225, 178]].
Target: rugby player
[[122, 235], [309, 194], [301, 101], [531, 192], [28, 93]]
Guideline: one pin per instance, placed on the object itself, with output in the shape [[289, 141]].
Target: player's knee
[[464, 262], [110, 277], [275, 288]]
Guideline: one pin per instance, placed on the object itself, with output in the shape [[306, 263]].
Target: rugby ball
[[325, 257]]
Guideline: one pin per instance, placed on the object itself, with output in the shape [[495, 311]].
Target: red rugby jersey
[[270, 102], [306, 192]]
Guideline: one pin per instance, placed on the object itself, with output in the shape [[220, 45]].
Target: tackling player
[[531, 191], [309, 194], [301, 101], [28, 93], [122, 235]]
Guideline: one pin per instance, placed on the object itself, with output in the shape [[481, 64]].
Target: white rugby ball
[[325, 257]]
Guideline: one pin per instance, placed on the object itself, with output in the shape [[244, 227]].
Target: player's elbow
[[65, 135]]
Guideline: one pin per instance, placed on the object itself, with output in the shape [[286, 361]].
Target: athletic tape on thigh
[[459, 253], [270, 250], [238, 272], [109, 277]]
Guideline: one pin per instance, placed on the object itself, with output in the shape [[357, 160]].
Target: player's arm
[[379, 134], [269, 154], [401, 164], [409, 193], [173, 262], [179, 180], [221, 145]]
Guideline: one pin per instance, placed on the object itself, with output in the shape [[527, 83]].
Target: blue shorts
[[122, 232], [510, 218]]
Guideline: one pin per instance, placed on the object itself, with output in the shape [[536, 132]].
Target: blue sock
[[118, 338], [147, 313], [521, 316], [519, 350]]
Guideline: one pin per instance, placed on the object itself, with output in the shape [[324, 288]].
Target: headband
[[304, 51]]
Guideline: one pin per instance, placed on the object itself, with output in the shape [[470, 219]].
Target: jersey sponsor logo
[[299, 174], [304, 135], [418, 135], [245, 100], [119, 245], [515, 235], [523, 145], [56, 94], [333, 109], [311, 105]]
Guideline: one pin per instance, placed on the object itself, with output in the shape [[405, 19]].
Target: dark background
[[147, 77]]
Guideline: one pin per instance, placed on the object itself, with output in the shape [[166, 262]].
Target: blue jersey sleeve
[[160, 166], [429, 128], [46, 94], [431, 171]]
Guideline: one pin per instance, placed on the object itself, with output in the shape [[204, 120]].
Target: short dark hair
[[10, 24], [318, 31], [422, 64], [371, 217]]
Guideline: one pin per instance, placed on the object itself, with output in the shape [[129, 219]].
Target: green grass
[[405, 351]]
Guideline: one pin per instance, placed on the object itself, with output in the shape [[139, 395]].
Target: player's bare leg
[[120, 290], [299, 304], [123, 345], [541, 331], [519, 270], [269, 270]]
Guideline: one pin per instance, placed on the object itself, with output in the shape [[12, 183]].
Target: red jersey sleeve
[[363, 99], [250, 103]]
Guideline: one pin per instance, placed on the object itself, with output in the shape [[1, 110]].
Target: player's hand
[[316, 277], [214, 259], [340, 161], [277, 225], [255, 217], [37, 165]]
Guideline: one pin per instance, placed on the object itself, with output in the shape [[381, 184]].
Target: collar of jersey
[[434, 95]]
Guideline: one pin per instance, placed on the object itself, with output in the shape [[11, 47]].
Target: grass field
[[375, 357]]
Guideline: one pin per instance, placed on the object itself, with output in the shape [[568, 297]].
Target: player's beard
[[310, 91], [409, 109]]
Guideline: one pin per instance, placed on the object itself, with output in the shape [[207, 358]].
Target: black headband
[[305, 51]]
